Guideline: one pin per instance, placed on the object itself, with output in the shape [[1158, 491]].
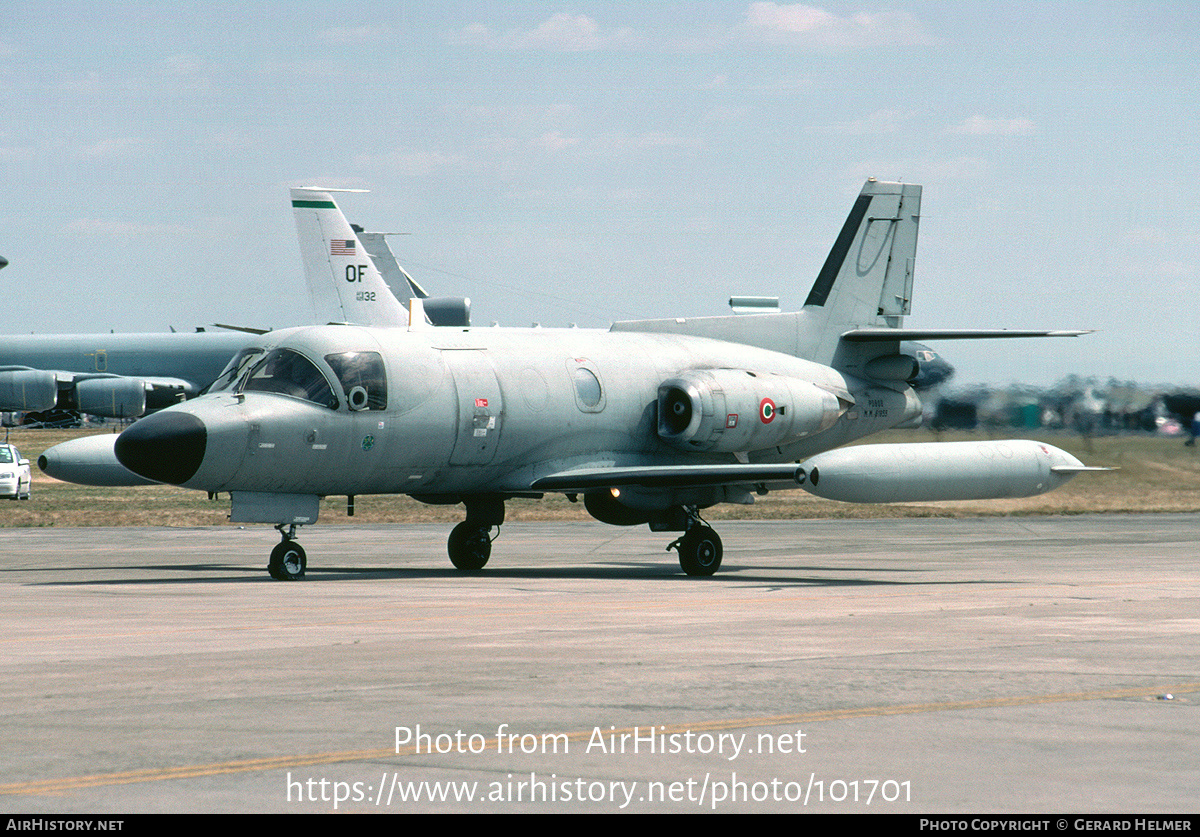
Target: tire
[[700, 551], [288, 562], [470, 547]]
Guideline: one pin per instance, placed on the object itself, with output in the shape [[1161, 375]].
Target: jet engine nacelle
[[448, 310], [111, 397], [936, 471], [732, 410], [27, 390]]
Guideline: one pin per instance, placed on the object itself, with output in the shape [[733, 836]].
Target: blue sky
[[583, 162]]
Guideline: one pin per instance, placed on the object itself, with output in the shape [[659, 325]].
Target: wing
[[670, 476]]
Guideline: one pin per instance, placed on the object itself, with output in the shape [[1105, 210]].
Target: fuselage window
[[290, 373], [363, 379], [587, 385]]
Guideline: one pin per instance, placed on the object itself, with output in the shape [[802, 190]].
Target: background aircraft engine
[[731, 410], [893, 368], [28, 389], [111, 397]]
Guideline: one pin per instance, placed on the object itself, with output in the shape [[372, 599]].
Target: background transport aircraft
[[439, 311], [1185, 406], [649, 421], [127, 375]]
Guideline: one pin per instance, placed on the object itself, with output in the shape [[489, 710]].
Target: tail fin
[[866, 283], [867, 277], [342, 278], [381, 253]]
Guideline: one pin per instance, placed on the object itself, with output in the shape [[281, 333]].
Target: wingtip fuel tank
[[939, 471], [89, 460]]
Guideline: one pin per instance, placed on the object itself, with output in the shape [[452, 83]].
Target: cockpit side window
[[286, 372], [363, 379], [229, 379]]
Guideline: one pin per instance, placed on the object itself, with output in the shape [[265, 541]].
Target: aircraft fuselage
[[491, 410]]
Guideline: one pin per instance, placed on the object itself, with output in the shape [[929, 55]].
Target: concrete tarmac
[[1036, 665]]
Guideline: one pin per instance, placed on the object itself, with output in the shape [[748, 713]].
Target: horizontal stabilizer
[[869, 335]]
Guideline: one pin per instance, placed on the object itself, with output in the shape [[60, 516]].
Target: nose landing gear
[[470, 543], [288, 561], [470, 546]]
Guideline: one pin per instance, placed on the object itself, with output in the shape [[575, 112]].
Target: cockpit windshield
[[286, 372], [232, 376], [362, 377]]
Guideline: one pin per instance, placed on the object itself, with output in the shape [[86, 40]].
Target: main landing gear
[[288, 560], [699, 547], [470, 543]]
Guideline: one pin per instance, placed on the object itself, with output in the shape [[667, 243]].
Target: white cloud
[[879, 122], [408, 162], [923, 171], [188, 74], [116, 229], [808, 26], [354, 35], [563, 32], [986, 126], [765, 22], [554, 141], [641, 142], [108, 148], [89, 83], [13, 153]]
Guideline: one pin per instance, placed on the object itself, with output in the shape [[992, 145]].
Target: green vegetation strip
[[1156, 474]]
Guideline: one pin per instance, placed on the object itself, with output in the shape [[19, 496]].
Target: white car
[[14, 473]]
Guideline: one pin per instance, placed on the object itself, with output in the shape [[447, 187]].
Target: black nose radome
[[167, 447]]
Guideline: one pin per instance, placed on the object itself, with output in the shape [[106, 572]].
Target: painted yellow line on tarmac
[[58, 786]]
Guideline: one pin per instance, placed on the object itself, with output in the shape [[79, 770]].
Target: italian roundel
[[766, 410]]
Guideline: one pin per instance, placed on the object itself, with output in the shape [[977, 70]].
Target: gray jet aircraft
[[650, 422], [126, 375]]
